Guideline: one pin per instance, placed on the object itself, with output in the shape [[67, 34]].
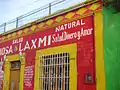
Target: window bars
[[54, 72]]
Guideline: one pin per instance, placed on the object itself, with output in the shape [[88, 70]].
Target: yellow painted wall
[[6, 81], [100, 70], [72, 50]]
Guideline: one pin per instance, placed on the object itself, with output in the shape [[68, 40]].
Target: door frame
[[7, 67]]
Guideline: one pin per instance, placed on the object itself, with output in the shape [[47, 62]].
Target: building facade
[[64, 51]]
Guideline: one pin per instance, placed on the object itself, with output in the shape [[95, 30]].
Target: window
[[15, 65], [54, 72]]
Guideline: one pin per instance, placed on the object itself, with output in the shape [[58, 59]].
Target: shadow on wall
[[114, 3]]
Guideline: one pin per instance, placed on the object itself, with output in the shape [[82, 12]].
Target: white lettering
[[6, 50], [73, 24], [49, 40], [70, 25], [11, 49], [65, 25], [57, 29], [62, 27], [20, 47], [33, 43], [27, 46], [74, 35], [82, 22], [44, 40]]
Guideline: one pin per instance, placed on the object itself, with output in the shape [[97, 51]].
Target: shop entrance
[[15, 75]]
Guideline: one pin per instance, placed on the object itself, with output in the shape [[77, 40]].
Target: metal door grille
[[54, 72]]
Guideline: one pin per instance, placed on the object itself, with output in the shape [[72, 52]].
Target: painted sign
[[80, 31], [28, 76], [74, 30]]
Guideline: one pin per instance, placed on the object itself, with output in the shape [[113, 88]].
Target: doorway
[[15, 75]]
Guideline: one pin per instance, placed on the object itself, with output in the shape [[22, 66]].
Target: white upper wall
[[10, 9]]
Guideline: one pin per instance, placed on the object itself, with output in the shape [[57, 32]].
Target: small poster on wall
[[29, 76]]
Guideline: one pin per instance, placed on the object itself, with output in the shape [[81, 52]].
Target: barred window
[[54, 72]]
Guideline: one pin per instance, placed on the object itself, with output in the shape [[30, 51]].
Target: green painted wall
[[112, 48]]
